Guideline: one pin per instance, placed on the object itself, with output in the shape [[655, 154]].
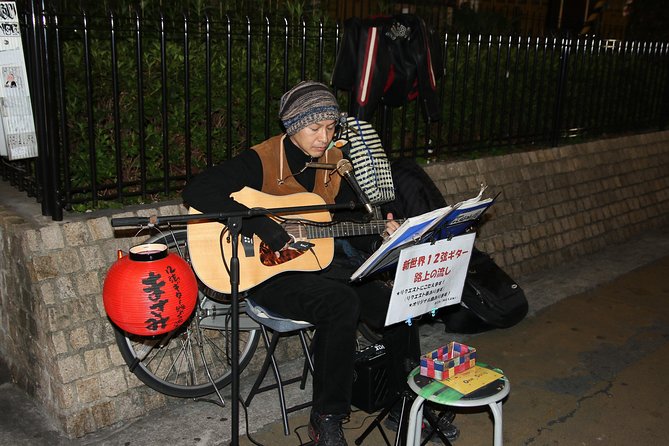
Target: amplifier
[[370, 379]]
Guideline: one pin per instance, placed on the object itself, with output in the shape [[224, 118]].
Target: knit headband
[[306, 103]]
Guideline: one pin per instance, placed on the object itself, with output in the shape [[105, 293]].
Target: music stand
[[444, 223], [408, 301]]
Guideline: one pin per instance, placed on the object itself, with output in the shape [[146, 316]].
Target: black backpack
[[490, 298], [415, 193]]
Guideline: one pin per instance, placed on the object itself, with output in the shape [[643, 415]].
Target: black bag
[[415, 192], [490, 299]]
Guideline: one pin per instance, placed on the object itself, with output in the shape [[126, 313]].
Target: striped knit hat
[[306, 103]]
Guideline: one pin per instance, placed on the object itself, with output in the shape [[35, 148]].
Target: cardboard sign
[[472, 379]]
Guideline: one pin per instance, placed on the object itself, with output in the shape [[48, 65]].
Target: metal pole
[[235, 227], [561, 88], [47, 162]]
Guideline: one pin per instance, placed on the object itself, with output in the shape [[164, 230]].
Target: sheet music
[[438, 224]]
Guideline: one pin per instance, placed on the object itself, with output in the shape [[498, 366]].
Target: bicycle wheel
[[190, 360]]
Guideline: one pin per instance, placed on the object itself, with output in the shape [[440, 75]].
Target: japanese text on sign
[[429, 276]]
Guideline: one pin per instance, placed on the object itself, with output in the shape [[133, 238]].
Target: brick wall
[[555, 204]]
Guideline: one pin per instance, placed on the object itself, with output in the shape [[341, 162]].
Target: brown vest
[[272, 154]]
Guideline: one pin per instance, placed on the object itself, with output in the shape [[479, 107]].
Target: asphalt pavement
[[586, 368]]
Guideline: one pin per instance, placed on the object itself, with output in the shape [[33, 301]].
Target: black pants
[[334, 307]]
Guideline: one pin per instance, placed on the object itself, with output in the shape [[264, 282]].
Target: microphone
[[316, 165], [345, 169]]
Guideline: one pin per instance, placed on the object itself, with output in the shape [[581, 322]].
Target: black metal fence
[[129, 107]]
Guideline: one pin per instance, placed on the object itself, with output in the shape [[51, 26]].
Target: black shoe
[[325, 430], [445, 425]]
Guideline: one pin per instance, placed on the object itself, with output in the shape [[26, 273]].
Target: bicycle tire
[[189, 361]]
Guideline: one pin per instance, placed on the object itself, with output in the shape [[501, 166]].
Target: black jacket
[[390, 61], [209, 191]]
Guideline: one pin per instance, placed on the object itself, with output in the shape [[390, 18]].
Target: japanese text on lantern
[[154, 291], [175, 280], [155, 288]]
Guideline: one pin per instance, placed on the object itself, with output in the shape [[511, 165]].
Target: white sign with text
[[17, 129], [429, 276]]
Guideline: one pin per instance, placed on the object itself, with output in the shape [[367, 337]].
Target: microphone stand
[[234, 225]]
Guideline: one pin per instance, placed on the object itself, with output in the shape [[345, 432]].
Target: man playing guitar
[[278, 166]]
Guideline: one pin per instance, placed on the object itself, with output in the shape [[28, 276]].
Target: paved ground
[[586, 368]]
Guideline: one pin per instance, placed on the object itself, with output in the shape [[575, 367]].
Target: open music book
[[438, 224]]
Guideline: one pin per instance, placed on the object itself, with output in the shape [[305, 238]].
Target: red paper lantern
[[150, 291]]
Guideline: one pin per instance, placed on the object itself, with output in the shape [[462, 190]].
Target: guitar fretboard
[[340, 229]]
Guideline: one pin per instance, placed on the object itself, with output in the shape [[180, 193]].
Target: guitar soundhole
[[269, 258]]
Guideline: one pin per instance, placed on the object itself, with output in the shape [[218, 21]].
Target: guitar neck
[[262, 263], [341, 229]]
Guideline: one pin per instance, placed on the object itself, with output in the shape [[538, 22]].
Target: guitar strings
[[321, 223], [224, 231], [297, 220]]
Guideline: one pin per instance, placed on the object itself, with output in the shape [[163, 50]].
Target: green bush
[[499, 93], [166, 141]]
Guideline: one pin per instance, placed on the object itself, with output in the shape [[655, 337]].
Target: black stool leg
[[434, 423], [269, 346], [269, 359], [400, 437], [308, 362], [279, 387]]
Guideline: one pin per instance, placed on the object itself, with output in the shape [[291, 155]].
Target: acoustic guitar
[[210, 246]]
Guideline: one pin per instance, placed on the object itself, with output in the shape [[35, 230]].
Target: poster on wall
[[17, 133]]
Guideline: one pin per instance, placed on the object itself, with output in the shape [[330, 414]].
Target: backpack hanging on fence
[[372, 168]]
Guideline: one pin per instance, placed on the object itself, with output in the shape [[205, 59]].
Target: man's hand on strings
[[295, 244], [391, 226], [286, 246]]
